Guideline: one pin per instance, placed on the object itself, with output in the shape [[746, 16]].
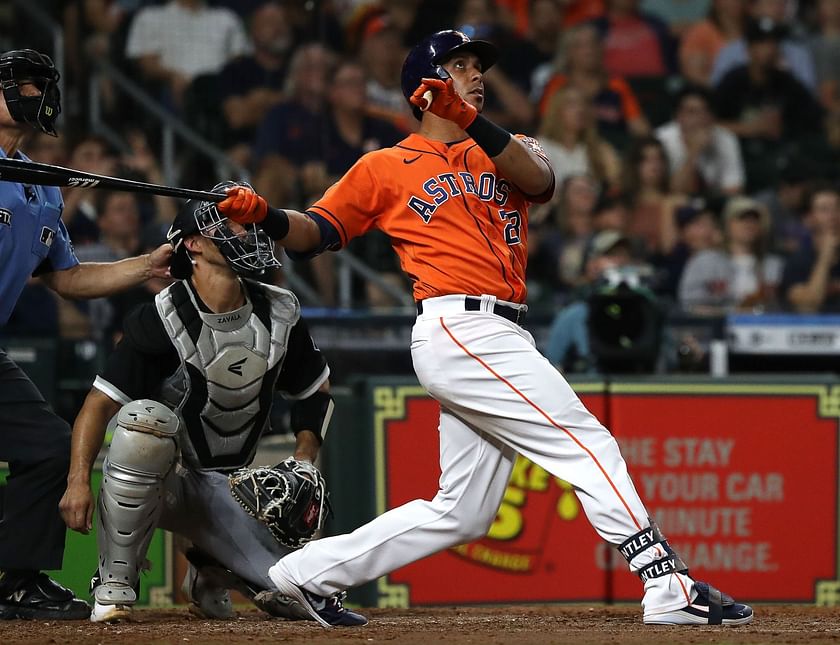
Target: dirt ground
[[519, 625]]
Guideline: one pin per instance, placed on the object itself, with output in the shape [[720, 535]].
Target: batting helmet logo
[[425, 60]]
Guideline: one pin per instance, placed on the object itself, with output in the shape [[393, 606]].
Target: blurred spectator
[[702, 42], [635, 43], [785, 201], [679, 15], [507, 101], [760, 100], [811, 279], [756, 271], [567, 346], [705, 279], [381, 52], [91, 154], [703, 156], [141, 164], [570, 139], [825, 50], [250, 86], [579, 63], [287, 133], [521, 58], [558, 236], [576, 12], [122, 303], [175, 42], [647, 193], [793, 56], [331, 142], [119, 227], [44, 148]]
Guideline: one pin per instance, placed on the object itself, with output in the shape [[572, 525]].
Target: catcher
[[191, 385]]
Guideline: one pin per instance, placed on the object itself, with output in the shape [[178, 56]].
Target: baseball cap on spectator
[[741, 207], [606, 242], [687, 213], [762, 29]]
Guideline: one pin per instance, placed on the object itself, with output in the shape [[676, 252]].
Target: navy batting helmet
[[28, 66], [425, 59]]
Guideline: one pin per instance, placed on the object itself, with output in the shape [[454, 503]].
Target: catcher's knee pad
[[141, 454]]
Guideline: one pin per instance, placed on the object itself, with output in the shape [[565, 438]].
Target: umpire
[[33, 440]]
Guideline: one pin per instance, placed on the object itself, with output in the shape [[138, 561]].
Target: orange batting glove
[[243, 206], [446, 102]]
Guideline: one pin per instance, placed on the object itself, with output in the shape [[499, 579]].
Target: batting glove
[[243, 205], [446, 102]]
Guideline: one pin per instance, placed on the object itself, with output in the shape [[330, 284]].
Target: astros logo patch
[[5, 217]]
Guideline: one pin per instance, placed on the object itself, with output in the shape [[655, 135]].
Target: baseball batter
[[454, 200]]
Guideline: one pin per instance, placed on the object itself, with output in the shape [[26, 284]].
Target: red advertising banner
[[742, 479]]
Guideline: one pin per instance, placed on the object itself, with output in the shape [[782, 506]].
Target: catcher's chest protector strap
[[229, 366]]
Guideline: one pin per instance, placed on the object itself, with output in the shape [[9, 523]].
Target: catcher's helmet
[[248, 254], [27, 65], [425, 59]]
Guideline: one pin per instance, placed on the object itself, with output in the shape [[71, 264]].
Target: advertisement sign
[[742, 479]]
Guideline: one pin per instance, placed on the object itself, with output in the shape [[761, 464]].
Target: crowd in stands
[[695, 140]]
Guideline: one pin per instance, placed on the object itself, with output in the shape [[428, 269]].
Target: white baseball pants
[[498, 396]]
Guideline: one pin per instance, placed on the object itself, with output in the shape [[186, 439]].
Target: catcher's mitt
[[290, 498]]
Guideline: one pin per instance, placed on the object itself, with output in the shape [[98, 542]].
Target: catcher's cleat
[[110, 613], [709, 607], [208, 598], [327, 611], [36, 596], [214, 579]]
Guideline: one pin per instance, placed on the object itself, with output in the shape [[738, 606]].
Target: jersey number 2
[[512, 227]]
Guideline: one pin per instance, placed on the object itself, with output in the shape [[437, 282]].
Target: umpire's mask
[[246, 247], [21, 66]]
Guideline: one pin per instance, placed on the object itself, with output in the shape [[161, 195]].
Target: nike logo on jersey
[[446, 185], [236, 367], [408, 161]]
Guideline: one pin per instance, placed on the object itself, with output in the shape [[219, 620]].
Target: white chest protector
[[230, 362]]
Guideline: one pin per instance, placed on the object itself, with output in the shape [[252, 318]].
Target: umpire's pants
[[36, 444]]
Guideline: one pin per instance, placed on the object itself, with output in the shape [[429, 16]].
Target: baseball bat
[[31, 172]]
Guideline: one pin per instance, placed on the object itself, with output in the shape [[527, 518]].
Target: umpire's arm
[[99, 279]]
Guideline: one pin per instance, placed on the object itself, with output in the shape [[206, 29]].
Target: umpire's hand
[[76, 507]]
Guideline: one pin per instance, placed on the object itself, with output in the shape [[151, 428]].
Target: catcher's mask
[[21, 66], [250, 251]]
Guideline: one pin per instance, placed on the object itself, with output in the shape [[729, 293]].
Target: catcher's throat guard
[[289, 498]]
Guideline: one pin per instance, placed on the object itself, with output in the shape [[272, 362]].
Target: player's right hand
[[76, 507], [446, 102], [243, 205]]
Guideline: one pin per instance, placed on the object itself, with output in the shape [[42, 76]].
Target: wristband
[[276, 223], [489, 137]]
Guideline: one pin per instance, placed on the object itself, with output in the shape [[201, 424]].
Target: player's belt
[[473, 303]]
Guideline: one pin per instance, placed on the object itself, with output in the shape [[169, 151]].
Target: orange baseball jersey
[[456, 225]]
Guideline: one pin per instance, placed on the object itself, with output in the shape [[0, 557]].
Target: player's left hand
[[446, 102], [243, 205], [158, 261]]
